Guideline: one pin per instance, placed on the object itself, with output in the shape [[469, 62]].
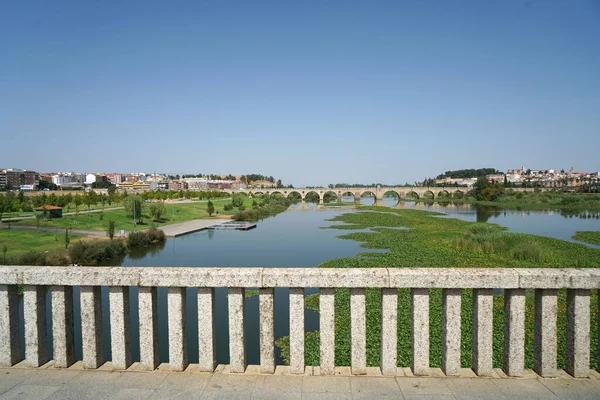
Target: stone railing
[[61, 280]]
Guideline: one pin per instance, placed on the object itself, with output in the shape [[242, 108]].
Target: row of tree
[[469, 173]]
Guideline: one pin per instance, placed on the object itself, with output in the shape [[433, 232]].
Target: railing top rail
[[506, 278]]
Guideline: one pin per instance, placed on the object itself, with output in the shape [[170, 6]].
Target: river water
[[290, 239]]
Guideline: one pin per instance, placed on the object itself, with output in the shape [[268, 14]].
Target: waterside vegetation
[[430, 240]]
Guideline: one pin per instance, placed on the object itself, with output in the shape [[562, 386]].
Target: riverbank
[[588, 237], [423, 239], [531, 200], [98, 221]]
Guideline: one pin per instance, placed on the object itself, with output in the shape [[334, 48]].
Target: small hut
[[49, 211]]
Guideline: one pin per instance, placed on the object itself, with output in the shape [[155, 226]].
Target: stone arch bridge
[[378, 192]]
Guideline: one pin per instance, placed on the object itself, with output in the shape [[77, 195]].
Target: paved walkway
[[196, 225], [75, 383]]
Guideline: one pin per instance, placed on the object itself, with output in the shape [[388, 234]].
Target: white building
[[90, 178]]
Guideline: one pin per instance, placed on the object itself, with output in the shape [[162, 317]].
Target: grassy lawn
[[590, 237], [175, 213], [20, 241], [443, 242]]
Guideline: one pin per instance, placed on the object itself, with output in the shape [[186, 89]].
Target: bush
[[93, 252], [156, 235], [143, 239], [138, 239], [228, 207], [58, 259]]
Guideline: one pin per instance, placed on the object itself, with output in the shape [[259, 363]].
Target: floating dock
[[234, 225]]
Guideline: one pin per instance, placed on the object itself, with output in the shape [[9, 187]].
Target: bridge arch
[[444, 193], [428, 194], [293, 195], [331, 195], [312, 195], [411, 194], [458, 194]]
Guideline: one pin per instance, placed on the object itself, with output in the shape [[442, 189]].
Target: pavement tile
[[140, 380], [473, 388], [229, 386], [529, 388], [51, 377], [72, 391], [326, 384], [12, 377], [573, 388], [430, 397], [325, 396], [375, 387], [277, 386], [26, 392], [411, 385], [131, 394], [181, 386]]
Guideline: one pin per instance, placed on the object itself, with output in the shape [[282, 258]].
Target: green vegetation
[[469, 173], [265, 206], [174, 213], [19, 241], [442, 242], [50, 248], [536, 199], [590, 237]]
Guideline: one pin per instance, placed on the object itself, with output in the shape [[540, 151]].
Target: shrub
[[93, 252], [137, 239], [228, 207], [156, 235]]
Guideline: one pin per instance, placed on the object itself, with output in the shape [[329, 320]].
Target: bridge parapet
[[61, 280]]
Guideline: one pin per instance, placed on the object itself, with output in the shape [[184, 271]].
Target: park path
[[59, 230], [65, 214]]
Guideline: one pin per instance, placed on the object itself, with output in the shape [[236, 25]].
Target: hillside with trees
[[469, 173]]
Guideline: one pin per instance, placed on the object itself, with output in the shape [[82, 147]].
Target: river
[[290, 239]]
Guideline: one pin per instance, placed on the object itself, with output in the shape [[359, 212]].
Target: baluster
[[358, 331], [147, 302], [178, 360], [237, 336], [120, 326], [206, 329], [62, 326], [514, 332], [545, 332], [389, 331], [34, 310], [267, 331], [91, 326], [578, 333], [483, 324], [10, 352], [451, 331], [420, 331], [297, 330], [327, 330]]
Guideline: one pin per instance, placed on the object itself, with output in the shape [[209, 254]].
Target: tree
[[4, 250], [279, 184], [157, 209], [134, 206], [111, 229], [77, 200], [67, 240], [237, 200], [210, 208]]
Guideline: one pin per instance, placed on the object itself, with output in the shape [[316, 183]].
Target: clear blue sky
[[314, 92]]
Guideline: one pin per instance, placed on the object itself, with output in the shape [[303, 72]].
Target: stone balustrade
[[515, 282]]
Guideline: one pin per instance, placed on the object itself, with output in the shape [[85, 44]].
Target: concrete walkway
[[196, 225], [75, 383]]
